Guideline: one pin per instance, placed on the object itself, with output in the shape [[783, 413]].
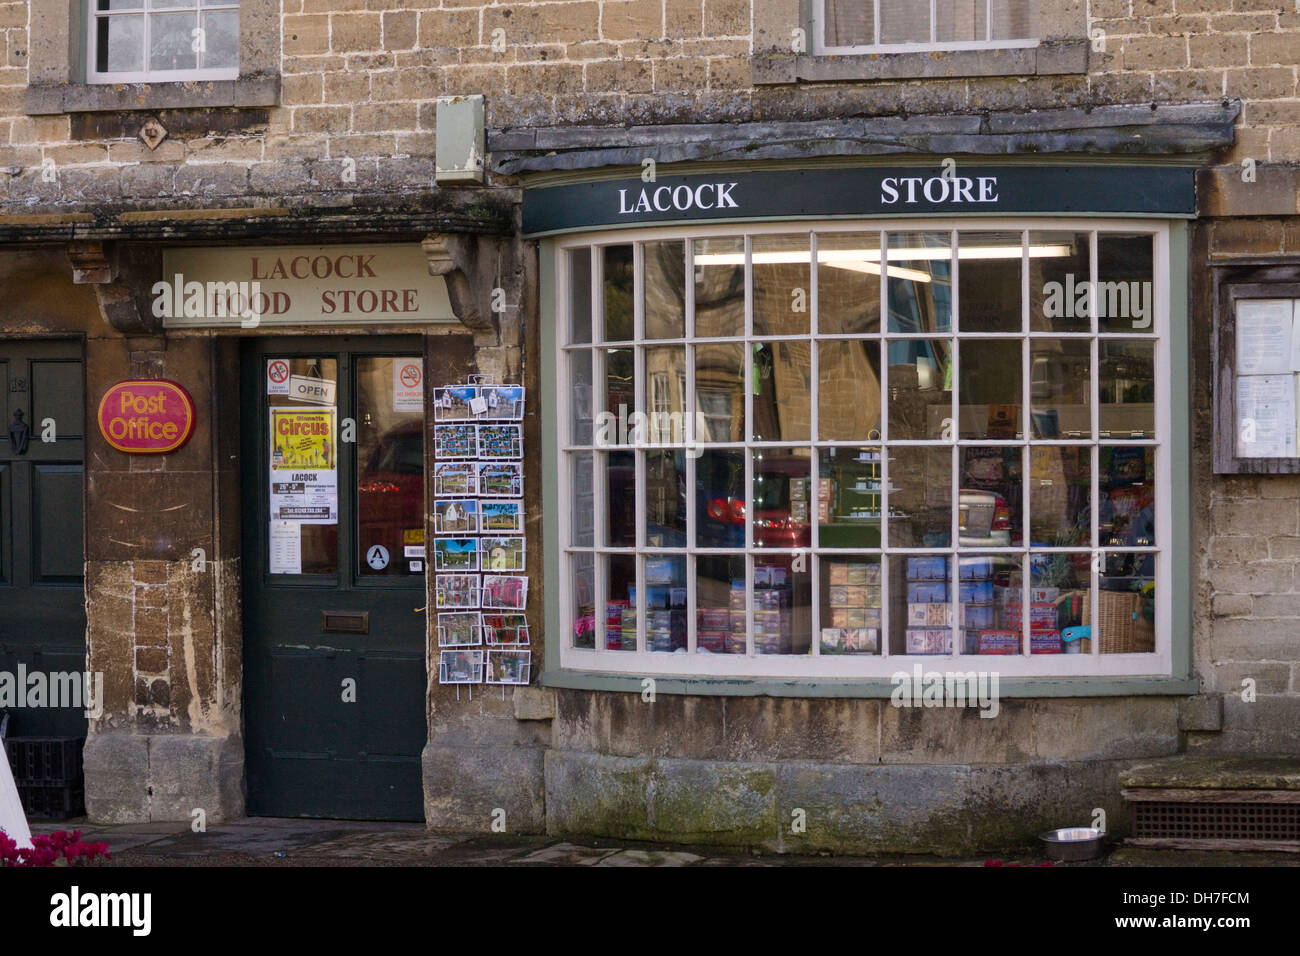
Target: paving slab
[[649, 858], [569, 854]]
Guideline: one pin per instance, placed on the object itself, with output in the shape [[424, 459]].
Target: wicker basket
[[1120, 626]]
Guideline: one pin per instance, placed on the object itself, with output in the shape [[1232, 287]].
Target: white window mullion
[[1095, 566], [747, 436]]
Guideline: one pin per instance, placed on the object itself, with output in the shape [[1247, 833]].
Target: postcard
[[502, 401], [456, 516], [505, 592], [451, 403], [501, 441], [464, 627], [457, 591], [460, 667], [505, 629], [455, 441], [455, 554], [455, 478], [503, 515], [500, 479], [509, 667], [501, 554]]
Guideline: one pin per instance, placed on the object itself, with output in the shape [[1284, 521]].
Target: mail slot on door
[[345, 622]]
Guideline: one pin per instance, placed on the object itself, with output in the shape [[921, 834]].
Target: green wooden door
[[333, 571], [42, 589]]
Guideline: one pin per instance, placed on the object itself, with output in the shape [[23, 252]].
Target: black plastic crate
[[53, 803], [45, 761]]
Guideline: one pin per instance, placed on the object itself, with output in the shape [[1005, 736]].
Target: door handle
[[19, 432]]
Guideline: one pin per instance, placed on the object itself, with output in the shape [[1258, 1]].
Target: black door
[[333, 550], [43, 615]]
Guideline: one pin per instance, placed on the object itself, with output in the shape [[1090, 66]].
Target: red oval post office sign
[[146, 416]]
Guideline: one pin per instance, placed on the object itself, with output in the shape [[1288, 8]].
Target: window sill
[[247, 91], [778, 687], [1046, 59]]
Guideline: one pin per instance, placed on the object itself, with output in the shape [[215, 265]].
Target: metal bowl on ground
[[1072, 844]]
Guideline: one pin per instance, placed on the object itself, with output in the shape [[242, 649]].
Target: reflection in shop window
[[974, 476]]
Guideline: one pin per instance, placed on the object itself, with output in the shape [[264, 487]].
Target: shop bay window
[[830, 451], [882, 26]]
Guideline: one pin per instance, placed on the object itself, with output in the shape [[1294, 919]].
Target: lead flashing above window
[[1046, 59]]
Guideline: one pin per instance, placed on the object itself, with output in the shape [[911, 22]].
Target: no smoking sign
[[408, 376], [277, 377]]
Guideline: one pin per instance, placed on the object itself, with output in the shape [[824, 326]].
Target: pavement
[[273, 841]]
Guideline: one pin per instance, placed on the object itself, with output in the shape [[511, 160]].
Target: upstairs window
[[897, 26], [162, 40]]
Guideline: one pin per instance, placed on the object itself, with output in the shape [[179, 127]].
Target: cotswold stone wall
[[360, 77]]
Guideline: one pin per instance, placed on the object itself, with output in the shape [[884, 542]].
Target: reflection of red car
[[774, 523], [390, 495]]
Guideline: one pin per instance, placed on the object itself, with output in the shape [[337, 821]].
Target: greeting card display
[[457, 591], [501, 441], [460, 667], [501, 554], [456, 516], [455, 554], [462, 627], [500, 479], [505, 629], [456, 478], [505, 592], [455, 441], [451, 403], [509, 667], [501, 516]]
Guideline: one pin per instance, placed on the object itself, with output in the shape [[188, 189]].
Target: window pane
[[390, 483], [120, 46], [1126, 604], [720, 499], [850, 22], [920, 388], [163, 4], [960, 21], [848, 282], [919, 590], [621, 604], [719, 392], [1127, 388], [990, 392], [920, 497], [782, 491], [1015, 19], [305, 510], [986, 583], [1060, 388], [582, 567], [850, 496], [665, 398], [904, 21], [621, 498], [720, 626], [919, 272], [782, 605], [1127, 490], [1125, 266], [850, 605], [580, 295], [221, 39], [719, 287], [119, 4], [1060, 267], [618, 293], [620, 395], [782, 393], [665, 289], [580, 397], [989, 281], [782, 285], [583, 521], [1059, 601], [991, 504], [1060, 496], [848, 390], [171, 42], [665, 603], [665, 477]]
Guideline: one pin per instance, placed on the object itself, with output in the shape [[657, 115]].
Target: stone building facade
[[328, 137]]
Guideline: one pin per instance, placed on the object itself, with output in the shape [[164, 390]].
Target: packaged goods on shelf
[[1042, 616], [1045, 642], [929, 615], [975, 569], [975, 592], [999, 642], [924, 640], [856, 640], [927, 568], [926, 592], [977, 615]]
